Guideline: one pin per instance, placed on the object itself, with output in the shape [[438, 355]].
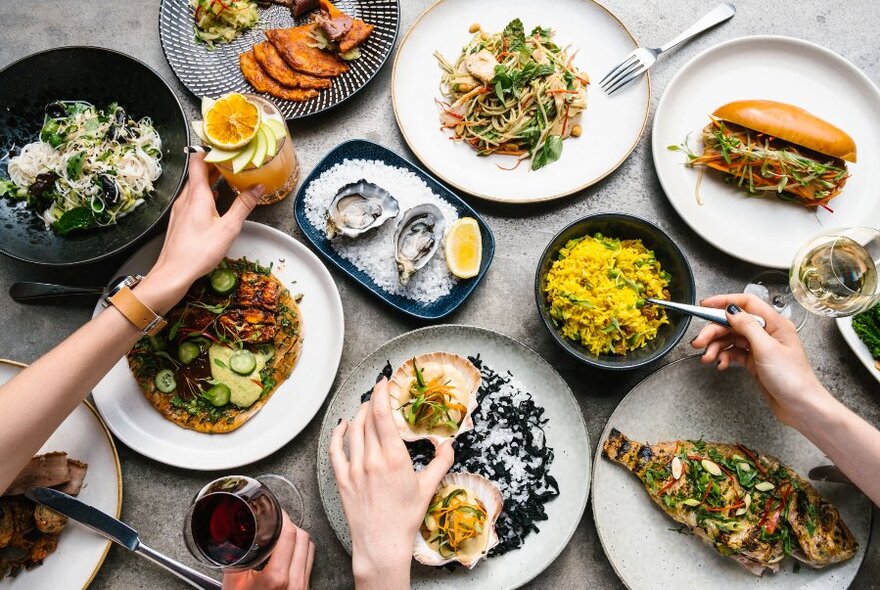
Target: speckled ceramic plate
[[214, 72], [565, 430], [80, 552], [612, 125], [766, 231], [858, 347], [367, 150], [293, 405], [688, 400]]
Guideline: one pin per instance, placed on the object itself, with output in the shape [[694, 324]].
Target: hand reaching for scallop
[[384, 499]]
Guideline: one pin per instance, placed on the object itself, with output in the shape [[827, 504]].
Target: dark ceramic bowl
[[672, 260], [99, 76]]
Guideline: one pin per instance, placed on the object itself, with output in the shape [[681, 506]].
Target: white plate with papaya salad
[[768, 225], [494, 97]]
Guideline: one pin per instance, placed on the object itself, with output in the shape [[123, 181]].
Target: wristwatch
[[122, 298]]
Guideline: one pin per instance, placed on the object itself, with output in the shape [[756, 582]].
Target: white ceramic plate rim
[[102, 428], [329, 423], [858, 347], [296, 255], [505, 199], [658, 147]]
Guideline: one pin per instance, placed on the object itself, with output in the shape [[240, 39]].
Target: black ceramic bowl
[[672, 260], [99, 76]]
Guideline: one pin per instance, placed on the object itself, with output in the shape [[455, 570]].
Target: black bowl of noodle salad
[[592, 282], [91, 154]]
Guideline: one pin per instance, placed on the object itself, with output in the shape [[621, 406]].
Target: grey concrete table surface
[[156, 496]]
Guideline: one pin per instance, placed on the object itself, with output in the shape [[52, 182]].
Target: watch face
[[117, 284]]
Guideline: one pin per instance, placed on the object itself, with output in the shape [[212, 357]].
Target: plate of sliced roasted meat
[[38, 547], [697, 484], [305, 56]]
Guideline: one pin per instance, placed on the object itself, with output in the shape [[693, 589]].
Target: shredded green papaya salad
[[221, 21], [513, 94]]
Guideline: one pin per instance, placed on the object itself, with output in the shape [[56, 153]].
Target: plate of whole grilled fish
[[707, 487]]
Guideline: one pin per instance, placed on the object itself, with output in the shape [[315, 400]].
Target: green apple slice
[[198, 129], [278, 128], [217, 155], [260, 148], [241, 161], [271, 140], [207, 103]]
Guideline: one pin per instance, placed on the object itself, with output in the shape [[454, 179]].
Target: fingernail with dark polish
[[733, 309], [339, 422]]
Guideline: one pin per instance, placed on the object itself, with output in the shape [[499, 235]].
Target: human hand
[[773, 355], [288, 568], [384, 498], [197, 238]]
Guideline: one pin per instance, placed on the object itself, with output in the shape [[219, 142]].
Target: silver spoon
[[713, 314]]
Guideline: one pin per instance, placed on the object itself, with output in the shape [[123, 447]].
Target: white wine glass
[[835, 273]]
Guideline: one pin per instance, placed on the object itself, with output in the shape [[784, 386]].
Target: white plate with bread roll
[[763, 95]]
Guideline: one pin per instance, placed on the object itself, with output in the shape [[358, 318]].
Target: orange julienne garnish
[[457, 520]]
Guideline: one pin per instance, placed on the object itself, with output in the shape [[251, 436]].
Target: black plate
[[366, 150], [99, 76], [213, 72], [672, 260]]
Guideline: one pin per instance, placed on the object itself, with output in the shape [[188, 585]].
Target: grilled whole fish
[[746, 505]]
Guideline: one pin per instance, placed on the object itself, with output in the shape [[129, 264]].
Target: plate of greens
[[862, 333]]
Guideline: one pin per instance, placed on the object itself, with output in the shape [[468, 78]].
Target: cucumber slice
[[188, 351], [165, 381], [267, 351], [243, 362], [218, 395], [223, 281]]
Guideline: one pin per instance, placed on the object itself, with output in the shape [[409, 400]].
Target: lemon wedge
[[464, 248]]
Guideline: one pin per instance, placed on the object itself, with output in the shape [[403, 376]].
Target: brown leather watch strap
[[144, 318]]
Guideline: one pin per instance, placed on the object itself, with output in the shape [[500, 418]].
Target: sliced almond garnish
[[711, 467], [676, 467]]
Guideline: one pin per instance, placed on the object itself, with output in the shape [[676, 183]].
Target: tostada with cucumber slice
[[227, 347]]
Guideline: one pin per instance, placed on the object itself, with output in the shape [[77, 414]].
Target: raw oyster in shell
[[359, 207], [418, 236]]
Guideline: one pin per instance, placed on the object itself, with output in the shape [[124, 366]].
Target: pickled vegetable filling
[[455, 522], [432, 403]]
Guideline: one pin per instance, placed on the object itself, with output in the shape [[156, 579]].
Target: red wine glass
[[234, 522]]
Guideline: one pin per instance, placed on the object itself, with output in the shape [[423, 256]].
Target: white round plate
[[766, 231], [565, 432], [858, 347], [296, 401], [688, 400], [611, 125], [80, 552]]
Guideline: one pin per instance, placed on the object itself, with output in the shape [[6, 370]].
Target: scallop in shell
[[461, 380], [359, 207], [418, 236], [477, 491]]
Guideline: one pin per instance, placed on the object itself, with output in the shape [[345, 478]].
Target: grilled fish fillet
[[748, 506]]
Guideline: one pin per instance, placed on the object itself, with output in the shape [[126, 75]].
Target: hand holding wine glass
[[384, 498], [288, 568]]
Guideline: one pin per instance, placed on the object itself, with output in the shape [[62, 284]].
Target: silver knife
[[828, 473], [118, 532]]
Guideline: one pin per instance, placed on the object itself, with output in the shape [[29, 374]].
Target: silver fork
[[642, 58]]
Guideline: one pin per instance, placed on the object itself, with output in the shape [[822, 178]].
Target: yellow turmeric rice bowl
[[596, 290]]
